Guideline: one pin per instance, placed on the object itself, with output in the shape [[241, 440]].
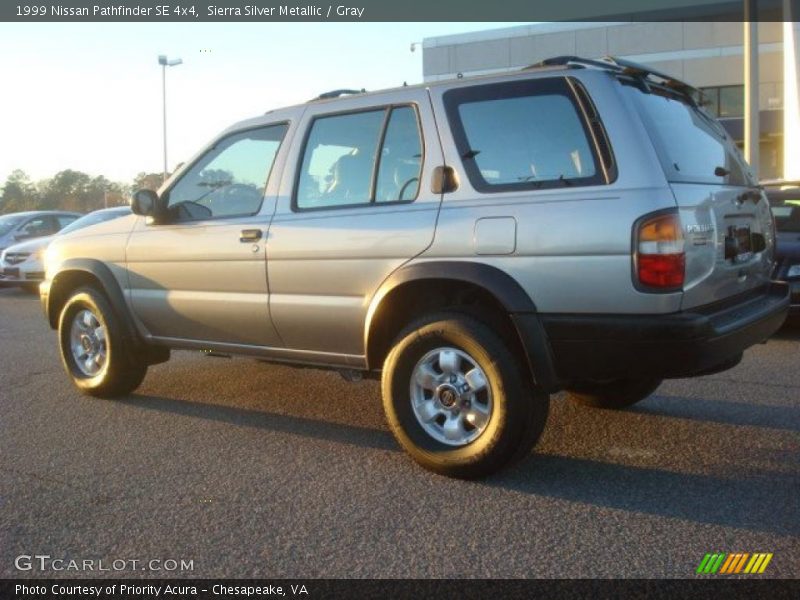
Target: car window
[[40, 226], [8, 223], [229, 180], [400, 158], [64, 220], [690, 143], [339, 160], [93, 219], [521, 135]]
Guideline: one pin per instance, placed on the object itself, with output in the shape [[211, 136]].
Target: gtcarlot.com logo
[[734, 563], [45, 562]]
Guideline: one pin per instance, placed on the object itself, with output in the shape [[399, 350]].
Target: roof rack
[[337, 93], [620, 66]]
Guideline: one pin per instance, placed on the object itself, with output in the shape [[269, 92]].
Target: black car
[[784, 199]]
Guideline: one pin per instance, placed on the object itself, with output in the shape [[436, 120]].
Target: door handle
[[250, 235]]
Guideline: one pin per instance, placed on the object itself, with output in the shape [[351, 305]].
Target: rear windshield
[[693, 147]]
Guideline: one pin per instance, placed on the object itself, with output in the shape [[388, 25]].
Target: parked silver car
[[23, 264], [16, 227], [477, 244]]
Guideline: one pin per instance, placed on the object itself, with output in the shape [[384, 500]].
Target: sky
[[88, 96]]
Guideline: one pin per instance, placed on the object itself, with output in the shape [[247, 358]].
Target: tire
[[512, 412], [614, 395], [118, 371]]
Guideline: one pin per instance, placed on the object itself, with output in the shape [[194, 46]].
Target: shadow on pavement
[[312, 428], [744, 502], [727, 413], [757, 504]]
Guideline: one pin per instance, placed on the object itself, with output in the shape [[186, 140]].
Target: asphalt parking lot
[[249, 469]]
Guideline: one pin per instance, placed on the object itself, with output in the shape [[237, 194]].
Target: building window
[[724, 101]]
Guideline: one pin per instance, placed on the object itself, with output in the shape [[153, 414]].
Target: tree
[[147, 181], [18, 193]]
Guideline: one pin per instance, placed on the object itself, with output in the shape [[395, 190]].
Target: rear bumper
[[701, 340]]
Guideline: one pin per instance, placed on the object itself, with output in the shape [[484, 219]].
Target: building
[[708, 55]]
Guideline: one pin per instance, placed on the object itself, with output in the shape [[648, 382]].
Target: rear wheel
[[617, 394], [456, 400], [93, 349]]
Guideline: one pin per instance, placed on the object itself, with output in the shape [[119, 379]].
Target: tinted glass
[[8, 223], [690, 143], [40, 226], [339, 160], [731, 101], [93, 219], [711, 101], [64, 220], [527, 139], [230, 179], [522, 135], [401, 158]]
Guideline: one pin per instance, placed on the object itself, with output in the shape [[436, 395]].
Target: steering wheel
[[405, 186]]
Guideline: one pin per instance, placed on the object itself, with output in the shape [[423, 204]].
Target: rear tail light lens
[[660, 259]]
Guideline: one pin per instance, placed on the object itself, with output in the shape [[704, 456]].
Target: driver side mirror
[[144, 203]]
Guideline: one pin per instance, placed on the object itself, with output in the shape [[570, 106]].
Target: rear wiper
[[470, 154]]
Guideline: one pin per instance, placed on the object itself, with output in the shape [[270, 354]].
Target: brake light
[[660, 259]]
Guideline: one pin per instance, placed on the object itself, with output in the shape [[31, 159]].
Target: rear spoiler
[[643, 74]]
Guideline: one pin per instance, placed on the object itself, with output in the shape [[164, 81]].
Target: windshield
[[93, 219], [693, 147], [8, 223]]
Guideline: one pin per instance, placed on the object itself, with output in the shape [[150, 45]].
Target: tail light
[[659, 258]]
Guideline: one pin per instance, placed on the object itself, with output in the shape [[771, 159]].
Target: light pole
[[165, 62], [752, 133]]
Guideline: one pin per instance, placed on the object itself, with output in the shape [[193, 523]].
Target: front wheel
[[456, 399], [616, 395], [93, 349]]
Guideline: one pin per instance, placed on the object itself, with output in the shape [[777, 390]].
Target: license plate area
[[739, 243]]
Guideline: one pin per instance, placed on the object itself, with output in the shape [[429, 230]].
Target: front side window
[[39, 227], [367, 157], [522, 135], [229, 180]]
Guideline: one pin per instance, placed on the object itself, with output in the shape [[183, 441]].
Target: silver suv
[[478, 244]]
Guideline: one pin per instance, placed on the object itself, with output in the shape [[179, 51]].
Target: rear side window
[[691, 144], [373, 156], [522, 135]]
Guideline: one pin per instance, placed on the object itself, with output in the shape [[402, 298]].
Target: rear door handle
[[250, 235]]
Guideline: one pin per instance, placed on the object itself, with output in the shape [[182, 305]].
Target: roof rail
[[618, 65], [337, 93]]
